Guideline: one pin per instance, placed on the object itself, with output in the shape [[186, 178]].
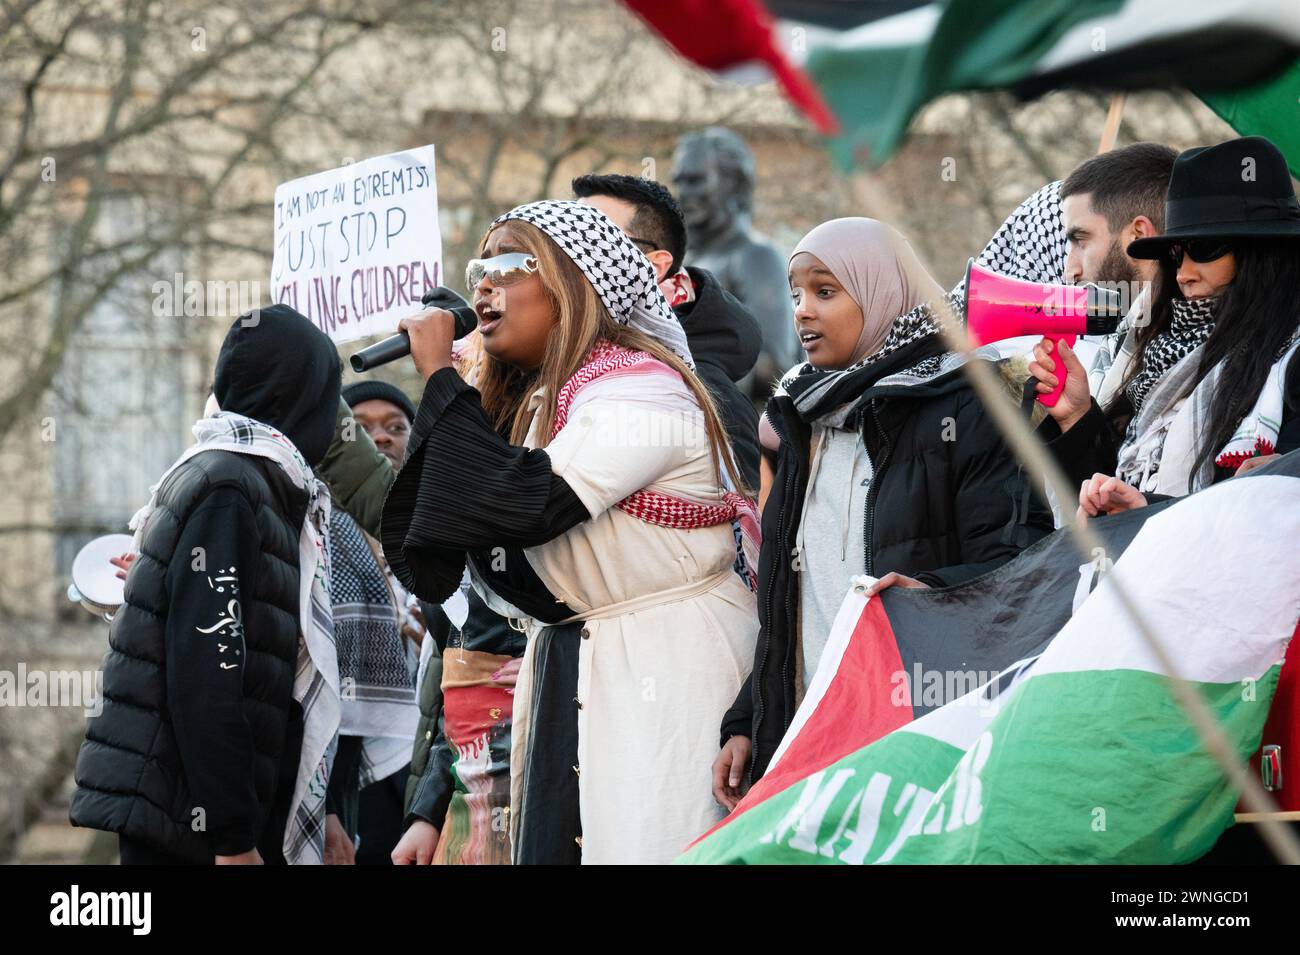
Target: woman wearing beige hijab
[[886, 464]]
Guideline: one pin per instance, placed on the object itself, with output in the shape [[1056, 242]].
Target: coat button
[[578, 840], [578, 701], [577, 771], [586, 633], [428, 734]]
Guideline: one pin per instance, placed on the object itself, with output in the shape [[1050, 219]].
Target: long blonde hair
[[581, 321]]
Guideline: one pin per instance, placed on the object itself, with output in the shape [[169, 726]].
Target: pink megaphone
[[999, 307]]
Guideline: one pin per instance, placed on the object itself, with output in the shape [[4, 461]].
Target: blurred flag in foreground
[[1021, 718]]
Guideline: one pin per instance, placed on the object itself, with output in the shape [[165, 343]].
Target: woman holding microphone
[[589, 487]]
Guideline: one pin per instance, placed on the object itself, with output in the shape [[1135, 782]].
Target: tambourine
[[95, 584]]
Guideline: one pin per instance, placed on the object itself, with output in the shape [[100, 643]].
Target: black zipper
[[869, 519]]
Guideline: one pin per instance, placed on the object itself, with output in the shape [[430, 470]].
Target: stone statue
[[713, 179]]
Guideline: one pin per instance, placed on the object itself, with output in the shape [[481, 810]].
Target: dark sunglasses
[[1198, 250]]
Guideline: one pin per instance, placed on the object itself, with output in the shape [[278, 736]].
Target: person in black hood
[[725, 339], [275, 369], [195, 754]]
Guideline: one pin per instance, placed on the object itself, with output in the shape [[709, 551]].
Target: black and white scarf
[[619, 272], [818, 392], [1190, 325], [376, 681], [316, 682], [1164, 436], [1030, 244]]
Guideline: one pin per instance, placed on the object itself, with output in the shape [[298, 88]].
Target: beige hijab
[[878, 269]]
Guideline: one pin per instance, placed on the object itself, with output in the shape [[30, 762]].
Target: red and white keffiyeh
[[655, 507]]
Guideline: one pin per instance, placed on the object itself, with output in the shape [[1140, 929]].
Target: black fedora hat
[[1238, 189]]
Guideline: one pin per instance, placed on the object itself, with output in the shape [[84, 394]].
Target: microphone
[[399, 345]]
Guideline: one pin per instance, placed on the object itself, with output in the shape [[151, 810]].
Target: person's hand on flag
[[729, 771], [1104, 494], [1250, 464], [895, 580]]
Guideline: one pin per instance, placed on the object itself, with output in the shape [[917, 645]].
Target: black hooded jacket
[[942, 511], [725, 340], [195, 752], [276, 367]]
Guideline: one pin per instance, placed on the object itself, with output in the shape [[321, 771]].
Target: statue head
[[713, 177]]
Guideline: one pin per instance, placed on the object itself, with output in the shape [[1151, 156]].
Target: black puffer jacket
[[129, 774], [141, 764], [725, 340], [942, 511]]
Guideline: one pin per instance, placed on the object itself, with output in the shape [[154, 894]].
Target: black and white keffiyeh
[[1163, 442], [316, 681], [376, 680], [1190, 324], [817, 392], [619, 272], [1030, 244]]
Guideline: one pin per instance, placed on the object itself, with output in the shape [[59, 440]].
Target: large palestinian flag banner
[[873, 64], [1022, 718]]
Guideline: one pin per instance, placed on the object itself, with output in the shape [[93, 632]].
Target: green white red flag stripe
[[1074, 753], [876, 64]]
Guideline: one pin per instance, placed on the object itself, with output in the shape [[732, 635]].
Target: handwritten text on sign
[[357, 247]]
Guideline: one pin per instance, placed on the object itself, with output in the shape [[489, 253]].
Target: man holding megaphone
[[1210, 384], [1107, 202]]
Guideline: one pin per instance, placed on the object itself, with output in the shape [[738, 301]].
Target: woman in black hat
[[1213, 385]]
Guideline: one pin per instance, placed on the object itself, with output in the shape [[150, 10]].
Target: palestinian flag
[[878, 62], [1270, 108], [724, 35], [1021, 718], [876, 75]]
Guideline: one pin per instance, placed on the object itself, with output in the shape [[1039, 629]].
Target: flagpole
[[1110, 132], [1031, 451]]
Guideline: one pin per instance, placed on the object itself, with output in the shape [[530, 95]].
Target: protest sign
[[357, 247]]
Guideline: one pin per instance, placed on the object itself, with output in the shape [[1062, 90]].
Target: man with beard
[[1109, 201]]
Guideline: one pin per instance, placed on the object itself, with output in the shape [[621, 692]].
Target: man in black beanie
[[206, 742], [386, 413]]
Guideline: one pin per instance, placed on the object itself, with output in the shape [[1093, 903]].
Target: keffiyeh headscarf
[[1030, 244], [621, 275]]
